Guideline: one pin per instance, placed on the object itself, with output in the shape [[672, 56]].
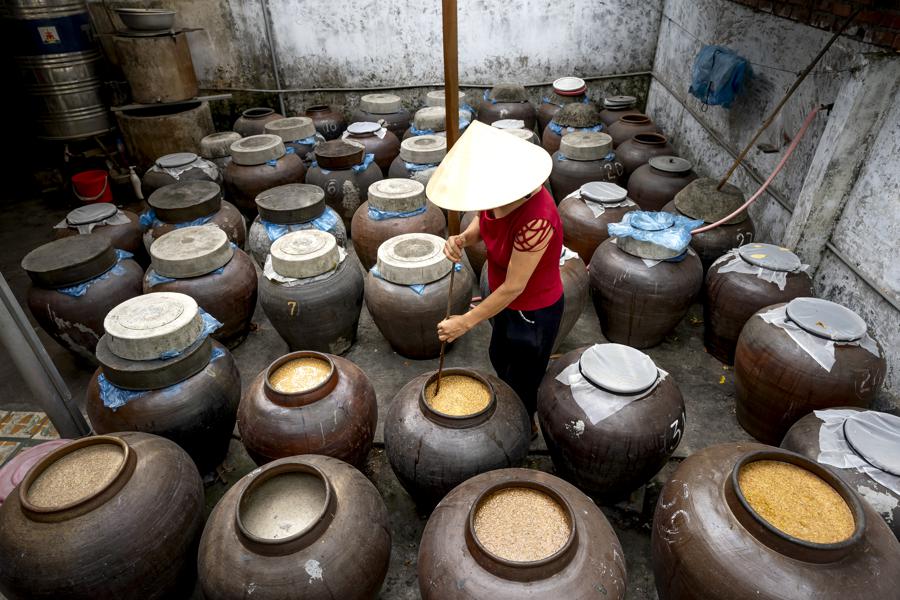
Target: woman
[[523, 235]]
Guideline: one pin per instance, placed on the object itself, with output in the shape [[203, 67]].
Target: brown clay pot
[[336, 418], [628, 126], [198, 413], [732, 297], [641, 148], [181, 166], [476, 253], [489, 112], [152, 509], [582, 231], [803, 438], [431, 453], [639, 305], [610, 115], [329, 120], [385, 149], [125, 237], [190, 202], [397, 122], [656, 183], [777, 382], [454, 565], [552, 105], [569, 175], [253, 121], [343, 553], [243, 183], [368, 233], [344, 176], [619, 453], [730, 553]]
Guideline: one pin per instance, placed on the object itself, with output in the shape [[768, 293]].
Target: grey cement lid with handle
[[145, 327], [670, 164], [423, 149], [291, 203], [585, 145], [412, 259], [875, 437], [305, 253], [69, 261], [257, 150], [619, 101], [91, 213], [618, 368], [826, 319], [190, 252], [770, 256], [381, 104], [397, 195]]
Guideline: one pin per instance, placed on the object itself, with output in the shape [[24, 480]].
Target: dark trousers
[[521, 345]]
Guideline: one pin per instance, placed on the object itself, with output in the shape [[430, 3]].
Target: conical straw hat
[[487, 168]]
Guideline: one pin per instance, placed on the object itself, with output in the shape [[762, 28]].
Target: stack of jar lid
[[193, 202], [615, 107], [216, 147], [419, 157], [583, 157]]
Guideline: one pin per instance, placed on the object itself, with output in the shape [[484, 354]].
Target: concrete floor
[[706, 385]]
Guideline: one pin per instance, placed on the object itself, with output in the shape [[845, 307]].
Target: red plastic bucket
[[92, 186]]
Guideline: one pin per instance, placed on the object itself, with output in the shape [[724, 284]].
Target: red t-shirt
[[525, 228]]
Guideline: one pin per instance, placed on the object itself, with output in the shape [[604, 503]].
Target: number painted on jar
[[744, 237], [292, 307], [675, 433], [329, 126], [331, 187]]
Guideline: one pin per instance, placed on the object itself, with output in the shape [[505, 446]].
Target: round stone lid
[[701, 200], [436, 98], [509, 124], [397, 195], [615, 102], [524, 134], [770, 256], [423, 149], [305, 253], [90, 213], [291, 203], [339, 154], [257, 149], [413, 258], [176, 160], [603, 192], [875, 437], [671, 164], [569, 86], [363, 128], [585, 145], [186, 200], [432, 117], [69, 261], [153, 374], [145, 327], [826, 319], [618, 369], [381, 104], [218, 145], [190, 252], [291, 129]]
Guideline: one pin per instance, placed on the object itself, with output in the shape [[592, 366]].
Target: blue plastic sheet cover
[[382, 215], [660, 228], [327, 221], [148, 220], [76, 291]]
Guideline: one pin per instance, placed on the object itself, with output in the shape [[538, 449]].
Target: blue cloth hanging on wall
[[718, 76]]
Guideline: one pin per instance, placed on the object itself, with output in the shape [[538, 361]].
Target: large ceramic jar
[[386, 109], [181, 166], [253, 121], [566, 90], [476, 253], [519, 533], [309, 403], [507, 101], [419, 157], [701, 200], [201, 263], [587, 211], [406, 293], [432, 120], [394, 207], [75, 281], [583, 157], [379, 141], [742, 282], [710, 543], [610, 417], [861, 447], [14, 470], [806, 355], [616, 107], [160, 373], [345, 171], [435, 446], [628, 126], [297, 133], [113, 516], [190, 203], [307, 526], [641, 291], [216, 147], [572, 118], [287, 208], [312, 292], [656, 183], [259, 163], [329, 120], [640, 149], [121, 227]]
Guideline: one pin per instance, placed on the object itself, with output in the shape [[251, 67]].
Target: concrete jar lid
[[291, 129], [218, 145], [363, 128], [423, 149], [381, 104], [397, 195], [523, 134], [618, 368], [69, 261], [291, 203], [826, 319], [671, 164], [257, 150], [91, 213], [434, 118], [614, 102], [509, 124], [585, 145], [603, 192], [186, 200], [190, 252], [770, 256], [701, 200], [145, 327], [437, 98], [176, 160], [339, 154], [305, 253], [412, 259]]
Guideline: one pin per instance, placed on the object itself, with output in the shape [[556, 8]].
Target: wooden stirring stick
[[437, 386]]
